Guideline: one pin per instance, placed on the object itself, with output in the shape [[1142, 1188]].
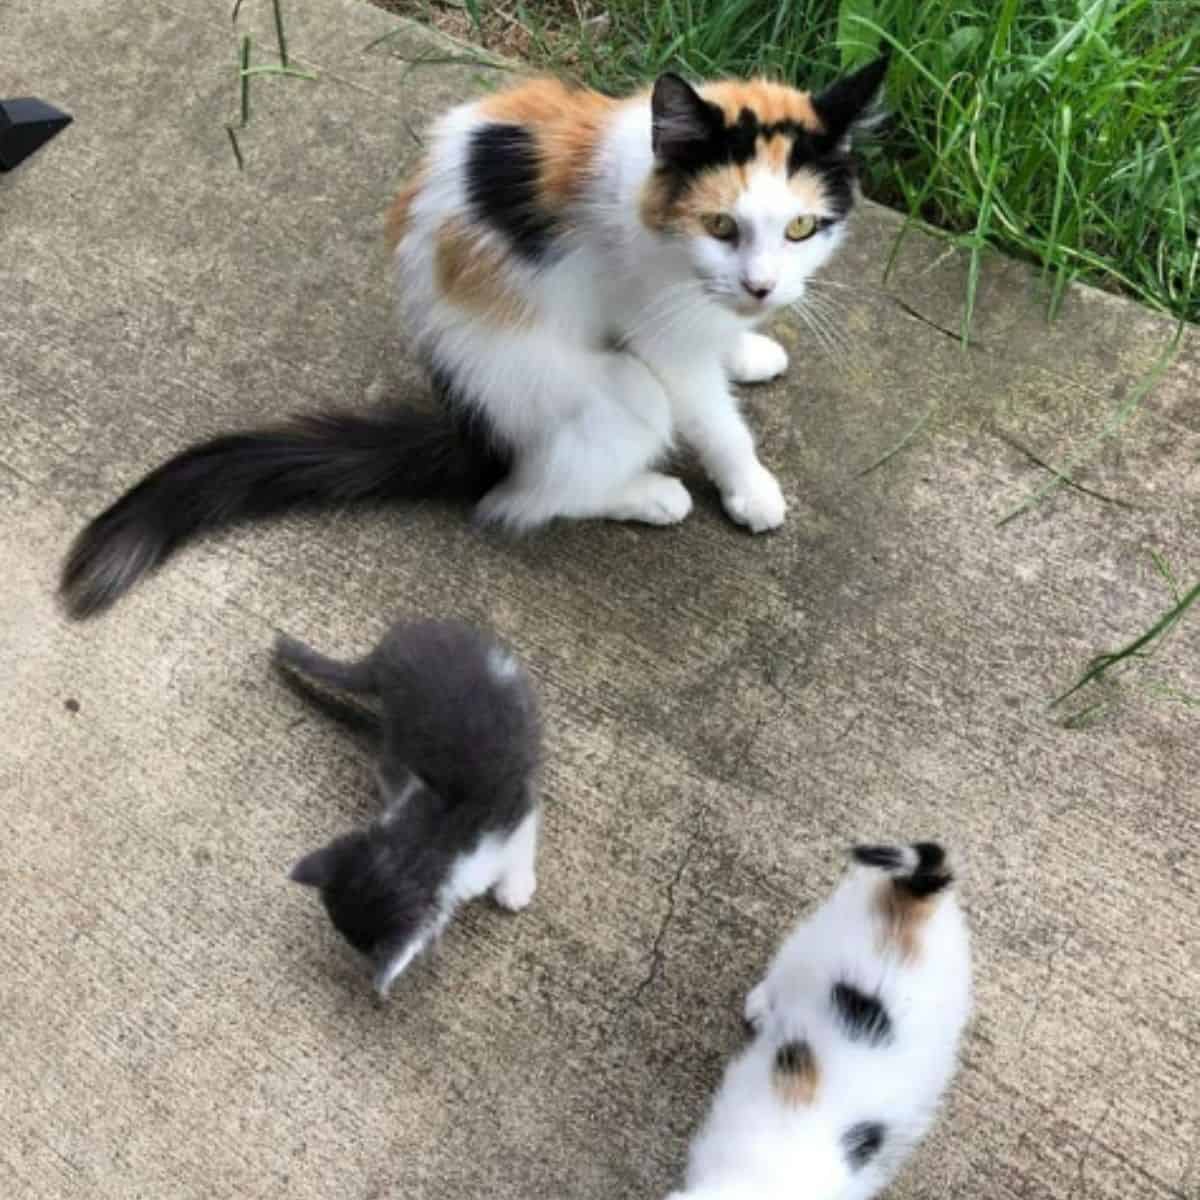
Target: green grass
[[1142, 647], [1066, 132]]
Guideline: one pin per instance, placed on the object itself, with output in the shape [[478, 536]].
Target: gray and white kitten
[[457, 719]]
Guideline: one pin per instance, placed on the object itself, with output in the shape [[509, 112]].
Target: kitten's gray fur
[[457, 722]]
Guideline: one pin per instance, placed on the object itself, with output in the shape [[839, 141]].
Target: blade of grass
[[981, 228], [283, 55], [1164, 569], [1105, 662], [275, 69], [1124, 411], [244, 72], [1066, 479], [237, 150], [908, 437], [1061, 152]]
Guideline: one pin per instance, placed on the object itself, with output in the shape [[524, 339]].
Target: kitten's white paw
[[514, 892], [758, 1005], [755, 359], [756, 500], [653, 498]]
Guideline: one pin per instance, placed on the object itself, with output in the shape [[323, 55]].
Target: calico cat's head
[[374, 899], [755, 179]]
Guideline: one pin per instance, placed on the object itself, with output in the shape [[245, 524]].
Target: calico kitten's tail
[[920, 869], [333, 458]]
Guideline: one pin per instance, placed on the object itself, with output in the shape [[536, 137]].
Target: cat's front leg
[[517, 879], [706, 416], [755, 359]]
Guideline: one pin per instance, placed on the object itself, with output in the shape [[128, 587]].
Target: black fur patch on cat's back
[[863, 1016], [502, 184]]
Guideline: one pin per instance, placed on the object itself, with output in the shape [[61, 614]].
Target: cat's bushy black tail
[[331, 458]]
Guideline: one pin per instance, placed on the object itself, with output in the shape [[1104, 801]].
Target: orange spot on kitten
[[794, 1074], [903, 917]]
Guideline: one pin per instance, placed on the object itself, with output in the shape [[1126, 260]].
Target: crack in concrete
[[907, 308], [1051, 964], [1060, 474], [700, 815], [1077, 1188], [657, 955]]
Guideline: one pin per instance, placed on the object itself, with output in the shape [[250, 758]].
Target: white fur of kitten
[[857, 1025]]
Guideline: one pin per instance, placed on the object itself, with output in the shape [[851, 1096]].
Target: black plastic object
[[25, 125]]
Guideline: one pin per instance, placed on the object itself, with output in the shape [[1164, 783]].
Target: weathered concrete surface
[[725, 712]]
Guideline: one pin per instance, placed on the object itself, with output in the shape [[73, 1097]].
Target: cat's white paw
[[755, 359], [756, 500], [514, 892], [653, 498], [758, 1005]]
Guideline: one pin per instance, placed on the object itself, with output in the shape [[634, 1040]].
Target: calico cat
[[582, 275], [856, 1030], [457, 721]]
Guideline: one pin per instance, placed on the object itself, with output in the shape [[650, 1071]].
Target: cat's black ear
[[315, 869], [846, 101], [683, 122]]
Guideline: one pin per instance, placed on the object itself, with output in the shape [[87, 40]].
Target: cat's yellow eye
[[800, 228], [720, 225]]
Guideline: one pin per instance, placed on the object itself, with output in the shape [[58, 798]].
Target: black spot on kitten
[[862, 1142], [794, 1058], [863, 1017], [502, 183], [931, 875], [886, 858]]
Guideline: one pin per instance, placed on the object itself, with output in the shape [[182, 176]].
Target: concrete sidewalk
[[726, 713]]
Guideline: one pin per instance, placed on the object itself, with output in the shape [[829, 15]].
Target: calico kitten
[[458, 724], [857, 1025], [582, 275]]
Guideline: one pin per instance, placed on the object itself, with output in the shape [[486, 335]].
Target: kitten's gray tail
[[327, 459], [919, 869], [300, 666], [349, 676]]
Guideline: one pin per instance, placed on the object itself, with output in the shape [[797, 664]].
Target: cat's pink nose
[[757, 288]]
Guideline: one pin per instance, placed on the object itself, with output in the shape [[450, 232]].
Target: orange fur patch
[[717, 190], [395, 223], [904, 916], [567, 123], [474, 276], [810, 191], [794, 1074], [773, 151], [769, 101]]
